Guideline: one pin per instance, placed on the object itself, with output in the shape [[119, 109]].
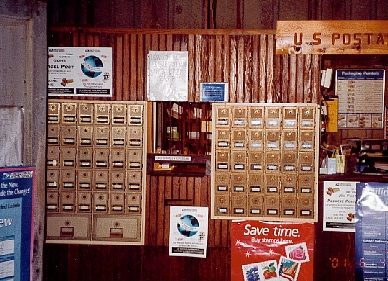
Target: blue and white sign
[[214, 92], [16, 235]]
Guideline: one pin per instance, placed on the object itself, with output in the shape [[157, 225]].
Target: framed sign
[[214, 92], [80, 71]]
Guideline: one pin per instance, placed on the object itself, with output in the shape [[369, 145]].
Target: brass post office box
[[119, 135], [101, 157], [101, 136], [53, 154], [272, 162], [306, 162], [68, 227], [68, 180], [289, 183], [222, 182], [272, 117], [239, 205], [255, 205], [69, 135], [306, 140], [69, 113], [239, 116], [290, 118], [272, 183], [223, 138], [289, 162], [239, 161], [135, 114], [117, 228], [256, 161], [102, 113], [84, 201], [288, 206], [255, 183], [100, 202], [135, 159], [272, 206], [239, 139], [255, 139], [117, 158], [134, 179], [53, 112], [272, 140], [306, 183], [85, 135], [52, 179], [119, 114], [222, 160], [101, 179], [84, 179], [85, 113], [53, 134], [222, 116], [290, 140], [305, 206], [67, 200], [239, 182], [52, 201], [117, 204], [306, 117], [134, 203], [68, 157], [85, 157], [256, 117], [135, 136], [117, 180], [221, 205]]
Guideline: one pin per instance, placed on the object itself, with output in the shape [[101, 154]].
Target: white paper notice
[[11, 141], [167, 76], [339, 200], [188, 231]]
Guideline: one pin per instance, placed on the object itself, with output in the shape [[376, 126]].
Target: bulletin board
[[361, 98]]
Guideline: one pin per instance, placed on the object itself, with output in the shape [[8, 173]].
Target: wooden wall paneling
[[133, 67], [211, 58], [198, 58], [175, 187], [307, 79], [146, 49], [141, 66], [240, 69], [193, 93], [233, 70], [160, 217], [126, 67], [119, 59], [381, 11], [292, 78], [255, 68], [226, 60], [299, 77], [166, 219], [285, 78], [75, 38], [288, 10], [277, 78], [205, 59], [151, 222], [263, 68], [82, 39], [247, 69], [361, 9], [219, 66], [226, 14], [315, 80], [270, 68]]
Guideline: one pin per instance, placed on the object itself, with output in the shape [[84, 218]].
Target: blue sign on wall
[[16, 235]]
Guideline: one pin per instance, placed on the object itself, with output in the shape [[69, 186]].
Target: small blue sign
[[214, 92]]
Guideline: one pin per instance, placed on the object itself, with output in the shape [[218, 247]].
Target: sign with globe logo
[[80, 71], [188, 231]]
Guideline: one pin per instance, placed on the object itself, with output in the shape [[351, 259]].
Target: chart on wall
[[361, 98], [80, 71]]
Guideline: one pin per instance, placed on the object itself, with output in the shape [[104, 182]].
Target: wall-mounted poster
[[188, 231], [80, 71], [361, 98], [16, 236], [214, 92], [371, 239], [168, 76], [339, 200], [272, 251]]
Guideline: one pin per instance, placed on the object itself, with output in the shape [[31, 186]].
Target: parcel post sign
[[332, 37], [272, 251]]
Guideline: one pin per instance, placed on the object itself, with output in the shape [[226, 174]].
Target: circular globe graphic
[[91, 66], [188, 225]]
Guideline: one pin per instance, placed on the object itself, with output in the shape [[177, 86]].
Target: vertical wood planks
[[262, 63], [126, 67], [118, 78], [270, 68]]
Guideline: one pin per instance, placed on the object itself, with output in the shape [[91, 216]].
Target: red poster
[[273, 251]]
